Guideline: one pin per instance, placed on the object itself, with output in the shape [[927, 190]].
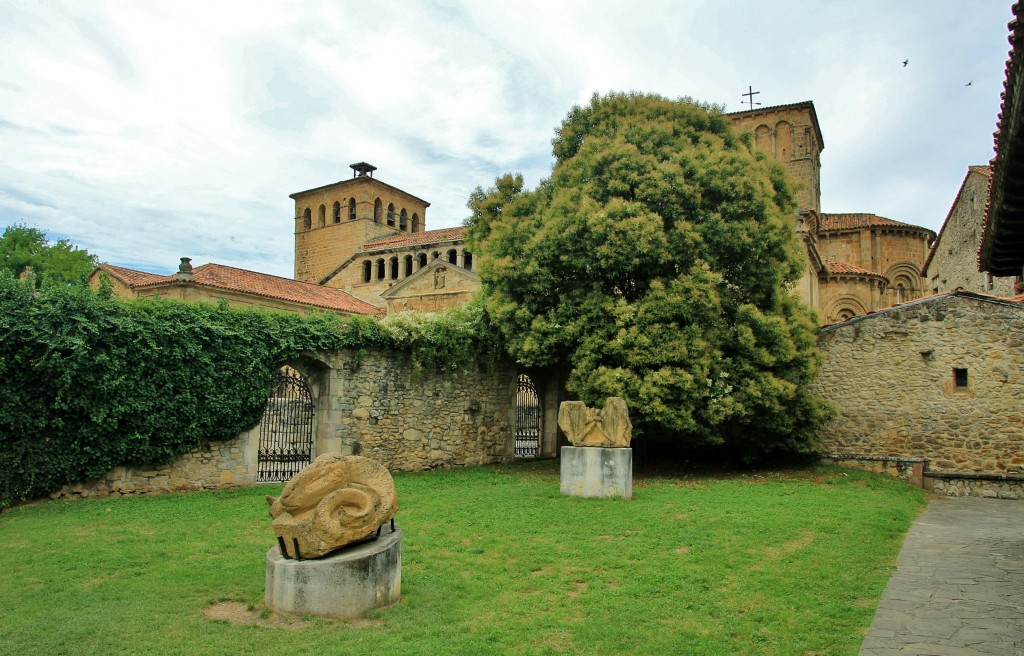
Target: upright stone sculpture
[[334, 556], [589, 427], [599, 463]]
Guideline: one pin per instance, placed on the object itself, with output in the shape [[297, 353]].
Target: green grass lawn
[[494, 561]]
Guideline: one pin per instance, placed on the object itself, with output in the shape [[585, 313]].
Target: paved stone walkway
[[959, 586]]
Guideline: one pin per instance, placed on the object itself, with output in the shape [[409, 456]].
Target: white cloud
[[146, 131]]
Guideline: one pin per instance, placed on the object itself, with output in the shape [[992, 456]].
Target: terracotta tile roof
[[131, 277], [839, 268], [244, 281], [856, 221], [416, 238], [1001, 251]]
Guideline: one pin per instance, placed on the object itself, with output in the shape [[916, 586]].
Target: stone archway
[[286, 438], [529, 419]]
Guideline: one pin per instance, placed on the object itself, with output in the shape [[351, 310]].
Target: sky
[[146, 131]]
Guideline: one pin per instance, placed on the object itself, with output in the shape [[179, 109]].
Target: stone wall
[[940, 379], [413, 420], [374, 404], [987, 487], [216, 464], [953, 261]]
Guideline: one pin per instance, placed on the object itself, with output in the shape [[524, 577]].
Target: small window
[[376, 210], [422, 259], [321, 217], [337, 212], [351, 209], [393, 268], [467, 260], [408, 265], [380, 269], [367, 271], [960, 377], [453, 256], [307, 219], [391, 214]]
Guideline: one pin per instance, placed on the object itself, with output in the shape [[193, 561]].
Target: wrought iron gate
[[286, 432], [528, 419]]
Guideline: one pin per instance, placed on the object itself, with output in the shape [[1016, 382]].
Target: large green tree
[[58, 263], [657, 263]]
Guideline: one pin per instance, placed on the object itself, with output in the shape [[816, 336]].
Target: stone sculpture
[[608, 427], [336, 500]]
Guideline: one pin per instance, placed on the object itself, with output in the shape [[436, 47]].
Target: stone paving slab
[[958, 589]]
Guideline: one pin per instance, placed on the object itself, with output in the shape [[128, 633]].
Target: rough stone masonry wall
[[216, 464], [413, 420], [955, 262], [374, 404], [891, 377]]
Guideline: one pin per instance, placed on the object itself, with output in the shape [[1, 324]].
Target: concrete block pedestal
[[597, 471], [344, 584]]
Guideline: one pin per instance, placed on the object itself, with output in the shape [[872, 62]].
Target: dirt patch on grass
[[238, 613]]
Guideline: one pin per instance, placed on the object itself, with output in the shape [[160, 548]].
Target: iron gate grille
[[528, 419], [286, 432]]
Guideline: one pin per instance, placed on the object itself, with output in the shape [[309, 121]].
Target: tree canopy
[[58, 263], [657, 263]]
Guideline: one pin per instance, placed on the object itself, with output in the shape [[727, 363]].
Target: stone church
[[369, 239]]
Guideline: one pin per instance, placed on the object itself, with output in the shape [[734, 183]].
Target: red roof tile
[[228, 278], [416, 238], [131, 277], [1002, 231], [838, 268], [856, 221]]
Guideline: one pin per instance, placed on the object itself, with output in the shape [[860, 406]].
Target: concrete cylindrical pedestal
[[597, 471], [345, 584]]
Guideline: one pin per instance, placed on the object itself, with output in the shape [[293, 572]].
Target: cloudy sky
[[146, 131]]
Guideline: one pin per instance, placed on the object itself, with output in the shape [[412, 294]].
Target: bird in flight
[[968, 84], [905, 62]]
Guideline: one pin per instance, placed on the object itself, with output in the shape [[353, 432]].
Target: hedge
[[91, 382]]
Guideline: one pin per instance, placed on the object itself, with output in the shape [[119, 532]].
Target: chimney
[[185, 269]]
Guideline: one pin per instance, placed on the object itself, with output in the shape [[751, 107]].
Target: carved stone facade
[[953, 260]]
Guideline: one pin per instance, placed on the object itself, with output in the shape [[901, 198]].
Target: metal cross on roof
[[750, 96]]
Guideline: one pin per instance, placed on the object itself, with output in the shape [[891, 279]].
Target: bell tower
[[789, 134], [332, 222]]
